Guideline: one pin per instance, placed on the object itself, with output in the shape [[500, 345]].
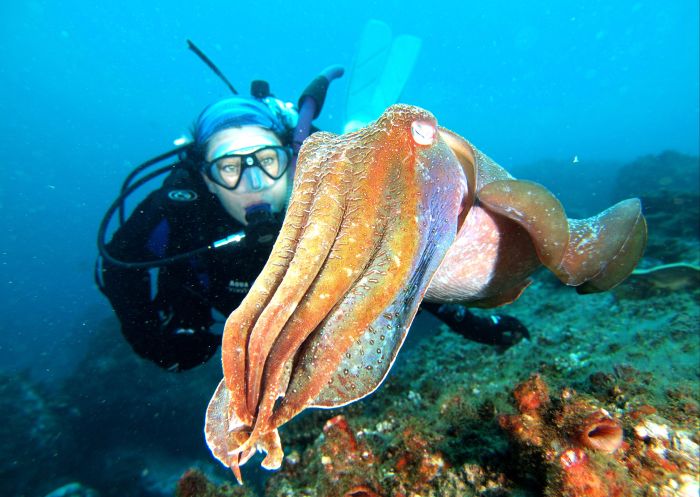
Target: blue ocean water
[[90, 90]]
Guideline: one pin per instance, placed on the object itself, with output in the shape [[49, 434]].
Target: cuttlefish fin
[[367, 361], [593, 254]]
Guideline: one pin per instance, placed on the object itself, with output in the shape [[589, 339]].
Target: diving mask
[[228, 169]]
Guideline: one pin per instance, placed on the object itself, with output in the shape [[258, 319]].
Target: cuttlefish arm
[[371, 217], [512, 227]]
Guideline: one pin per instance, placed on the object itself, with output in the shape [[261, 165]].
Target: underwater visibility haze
[[598, 101]]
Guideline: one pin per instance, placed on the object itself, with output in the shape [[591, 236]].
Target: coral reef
[[623, 420], [435, 427], [342, 462]]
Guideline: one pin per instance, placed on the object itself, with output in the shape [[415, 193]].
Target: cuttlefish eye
[[423, 132]]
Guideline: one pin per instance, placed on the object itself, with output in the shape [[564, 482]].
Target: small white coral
[[648, 429]]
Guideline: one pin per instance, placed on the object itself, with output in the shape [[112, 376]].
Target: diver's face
[[255, 187]]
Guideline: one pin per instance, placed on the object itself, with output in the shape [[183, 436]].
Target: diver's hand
[[185, 346], [505, 330], [173, 342]]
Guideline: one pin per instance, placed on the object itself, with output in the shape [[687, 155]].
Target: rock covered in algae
[[578, 448], [194, 483], [31, 435]]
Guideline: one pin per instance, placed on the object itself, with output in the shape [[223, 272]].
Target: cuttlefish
[[380, 219]]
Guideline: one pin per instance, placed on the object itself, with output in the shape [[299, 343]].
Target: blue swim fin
[[379, 72]]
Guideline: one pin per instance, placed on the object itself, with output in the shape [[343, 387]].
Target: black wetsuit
[[167, 317]]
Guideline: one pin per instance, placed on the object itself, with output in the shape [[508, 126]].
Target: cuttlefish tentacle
[[241, 321], [226, 435], [310, 255], [358, 224]]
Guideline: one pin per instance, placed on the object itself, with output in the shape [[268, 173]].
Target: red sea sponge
[[582, 477], [531, 395], [578, 478], [600, 432], [338, 427], [532, 400], [361, 491]]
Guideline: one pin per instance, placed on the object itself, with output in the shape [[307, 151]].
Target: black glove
[[171, 342], [502, 330], [497, 329], [184, 344]]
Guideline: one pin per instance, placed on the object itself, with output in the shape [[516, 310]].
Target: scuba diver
[[194, 246]]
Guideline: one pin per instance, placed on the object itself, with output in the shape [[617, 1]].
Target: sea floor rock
[[606, 401], [612, 409], [74, 489], [580, 449], [432, 428]]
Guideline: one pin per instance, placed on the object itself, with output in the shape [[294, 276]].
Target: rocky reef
[[579, 448], [668, 184], [602, 400], [668, 171], [194, 483], [31, 435]]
